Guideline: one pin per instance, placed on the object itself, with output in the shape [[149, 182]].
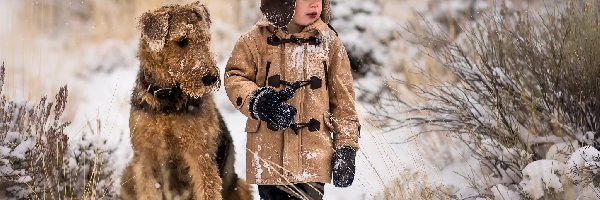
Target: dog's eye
[[183, 42]]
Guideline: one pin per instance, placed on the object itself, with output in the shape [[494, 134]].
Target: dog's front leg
[[146, 184], [204, 174], [127, 191]]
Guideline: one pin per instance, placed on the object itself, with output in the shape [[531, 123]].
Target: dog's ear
[[202, 12], [155, 27]]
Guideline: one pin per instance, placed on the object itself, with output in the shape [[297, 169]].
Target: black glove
[[343, 166], [269, 105]]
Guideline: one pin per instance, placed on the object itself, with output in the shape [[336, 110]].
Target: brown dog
[[182, 148]]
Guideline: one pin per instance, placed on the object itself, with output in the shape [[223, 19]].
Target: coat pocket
[[252, 126]]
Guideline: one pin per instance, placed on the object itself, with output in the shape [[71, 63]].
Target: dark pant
[[311, 191]]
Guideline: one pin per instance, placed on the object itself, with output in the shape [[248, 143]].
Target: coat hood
[[281, 12]]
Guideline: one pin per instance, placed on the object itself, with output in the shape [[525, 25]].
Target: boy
[[290, 76]]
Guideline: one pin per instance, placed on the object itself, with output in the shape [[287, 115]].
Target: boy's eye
[[183, 42]]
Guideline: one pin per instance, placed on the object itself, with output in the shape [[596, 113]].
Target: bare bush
[[35, 161], [524, 82], [33, 144]]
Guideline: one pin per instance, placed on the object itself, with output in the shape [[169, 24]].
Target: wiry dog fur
[[182, 148]]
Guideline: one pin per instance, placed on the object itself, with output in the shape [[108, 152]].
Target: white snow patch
[[22, 148], [541, 176], [297, 57], [305, 175], [583, 164], [502, 192], [256, 165], [561, 151]]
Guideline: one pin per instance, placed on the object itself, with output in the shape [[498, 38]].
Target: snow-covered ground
[[100, 75], [379, 161], [100, 72]]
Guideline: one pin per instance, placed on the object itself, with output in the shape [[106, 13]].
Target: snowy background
[[91, 47]]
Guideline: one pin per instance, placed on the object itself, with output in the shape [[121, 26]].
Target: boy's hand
[[269, 105], [343, 166]]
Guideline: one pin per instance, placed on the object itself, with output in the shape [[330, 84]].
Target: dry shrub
[[524, 82], [33, 144], [35, 161]]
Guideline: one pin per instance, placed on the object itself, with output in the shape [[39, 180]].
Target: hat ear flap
[[202, 12], [154, 27], [278, 12], [326, 13]]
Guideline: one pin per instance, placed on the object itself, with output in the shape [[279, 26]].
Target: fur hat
[[281, 12]]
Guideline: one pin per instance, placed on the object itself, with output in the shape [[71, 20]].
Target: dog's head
[[175, 49]]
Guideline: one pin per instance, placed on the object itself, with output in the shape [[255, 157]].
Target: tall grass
[[413, 186]]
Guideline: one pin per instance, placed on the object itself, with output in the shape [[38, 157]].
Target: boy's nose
[[315, 3]]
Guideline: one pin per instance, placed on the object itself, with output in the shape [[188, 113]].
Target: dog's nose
[[209, 80]]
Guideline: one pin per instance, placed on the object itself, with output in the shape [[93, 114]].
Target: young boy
[[290, 76]]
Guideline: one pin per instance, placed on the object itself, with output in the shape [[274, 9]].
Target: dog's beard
[[191, 79]]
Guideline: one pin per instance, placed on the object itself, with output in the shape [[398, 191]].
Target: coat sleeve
[[240, 76], [341, 98]]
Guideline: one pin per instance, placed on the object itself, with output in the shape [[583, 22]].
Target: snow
[[100, 77], [561, 151], [257, 165], [22, 148], [4, 151], [305, 175], [311, 154], [542, 176], [24, 179], [12, 136], [297, 56], [366, 33], [582, 164], [502, 192]]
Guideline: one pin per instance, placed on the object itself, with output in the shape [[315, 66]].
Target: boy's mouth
[[312, 14]]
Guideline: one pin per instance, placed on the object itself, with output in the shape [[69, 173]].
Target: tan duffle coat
[[286, 157]]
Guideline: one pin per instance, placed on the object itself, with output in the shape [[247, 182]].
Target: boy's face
[[307, 11]]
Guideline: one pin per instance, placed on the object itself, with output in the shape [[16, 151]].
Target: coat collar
[[317, 28]]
